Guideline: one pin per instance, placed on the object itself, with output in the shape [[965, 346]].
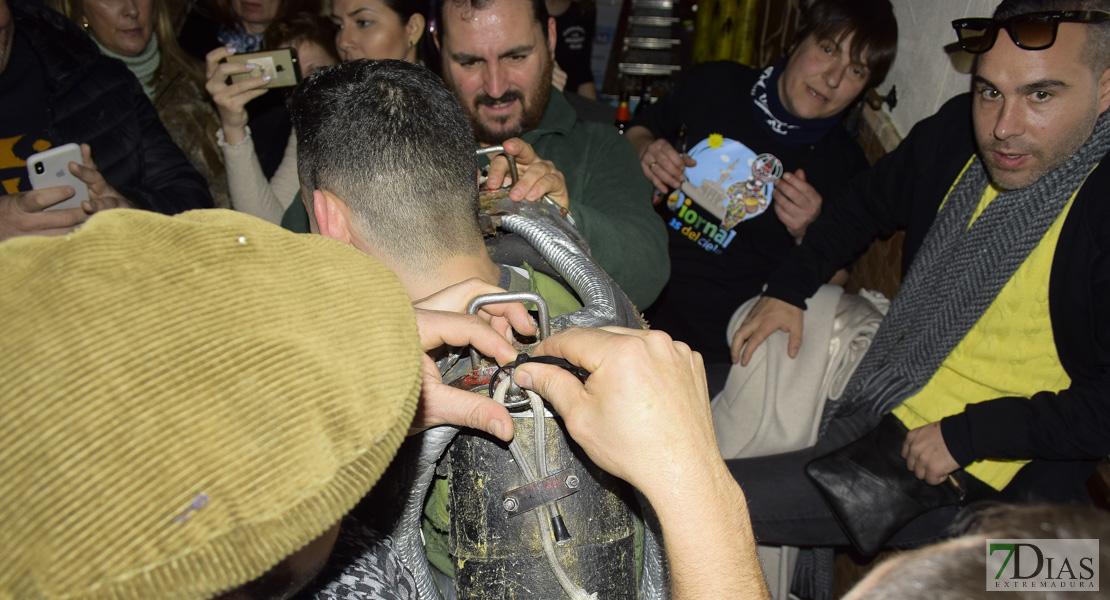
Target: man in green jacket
[[498, 58]]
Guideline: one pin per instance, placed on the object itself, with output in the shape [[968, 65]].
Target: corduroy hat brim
[[185, 401]]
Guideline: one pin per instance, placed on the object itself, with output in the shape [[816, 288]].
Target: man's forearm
[[640, 137], [708, 537]]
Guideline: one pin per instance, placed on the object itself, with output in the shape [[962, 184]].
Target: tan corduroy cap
[[185, 401]]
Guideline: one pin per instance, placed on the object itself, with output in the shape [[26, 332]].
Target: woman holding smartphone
[[373, 29], [140, 34]]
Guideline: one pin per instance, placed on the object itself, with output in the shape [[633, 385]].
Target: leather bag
[[873, 494]]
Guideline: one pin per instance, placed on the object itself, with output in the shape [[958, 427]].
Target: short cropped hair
[[390, 140], [539, 12], [956, 569], [871, 23], [1096, 52]]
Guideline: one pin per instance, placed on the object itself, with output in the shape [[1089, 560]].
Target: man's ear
[[552, 35], [1104, 91], [332, 216]]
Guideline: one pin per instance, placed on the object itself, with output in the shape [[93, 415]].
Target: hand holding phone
[[232, 86], [281, 65], [24, 213], [50, 168]]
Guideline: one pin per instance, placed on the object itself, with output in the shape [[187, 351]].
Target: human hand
[[24, 213], [231, 100], [442, 404], [643, 413], [558, 77], [664, 166], [504, 317], [766, 317], [796, 203], [537, 176], [927, 455], [101, 195]]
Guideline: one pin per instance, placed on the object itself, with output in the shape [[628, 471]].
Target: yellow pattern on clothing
[[1010, 351]]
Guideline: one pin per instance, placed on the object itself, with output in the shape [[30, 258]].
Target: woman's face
[[370, 29], [312, 57], [122, 26], [821, 78], [255, 15]]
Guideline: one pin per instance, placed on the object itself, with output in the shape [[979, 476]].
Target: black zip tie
[[522, 358]]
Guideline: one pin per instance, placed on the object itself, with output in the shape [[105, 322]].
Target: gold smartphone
[[281, 65]]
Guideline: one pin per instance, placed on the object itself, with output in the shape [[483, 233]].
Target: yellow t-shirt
[[1010, 351]]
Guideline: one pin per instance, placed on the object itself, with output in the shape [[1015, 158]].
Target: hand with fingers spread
[[231, 100], [442, 404], [503, 317], [102, 196], [662, 164], [537, 176], [643, 415], [927, 455], [796, 203], [766, 317], [24, 213]]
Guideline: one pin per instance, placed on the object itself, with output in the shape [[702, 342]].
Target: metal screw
[[572, 481], [509, 504]]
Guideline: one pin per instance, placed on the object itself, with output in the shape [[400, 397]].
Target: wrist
[[693, 485], [231, 139]]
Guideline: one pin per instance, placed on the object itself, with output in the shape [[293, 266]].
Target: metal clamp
[[518, 501]]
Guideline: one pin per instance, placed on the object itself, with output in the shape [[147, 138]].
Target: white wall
[[923, 72]]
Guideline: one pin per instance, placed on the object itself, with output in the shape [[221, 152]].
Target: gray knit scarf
[[958, 273]]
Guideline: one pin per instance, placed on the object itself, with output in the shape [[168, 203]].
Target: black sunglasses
[[1031, 31]]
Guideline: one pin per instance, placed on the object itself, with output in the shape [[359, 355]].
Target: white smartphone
[[50, 168]]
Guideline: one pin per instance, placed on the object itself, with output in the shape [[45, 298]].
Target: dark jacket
[[94, 99], [708, 282], [1065, 433]]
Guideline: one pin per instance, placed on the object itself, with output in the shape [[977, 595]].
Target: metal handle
[[501, 298], [501, 150]]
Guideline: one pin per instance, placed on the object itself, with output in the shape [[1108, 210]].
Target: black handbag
[[873, 494]]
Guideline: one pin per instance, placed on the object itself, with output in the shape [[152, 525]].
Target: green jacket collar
[[558, 118]]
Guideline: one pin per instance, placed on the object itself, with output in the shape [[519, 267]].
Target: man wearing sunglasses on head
[[996, 351]]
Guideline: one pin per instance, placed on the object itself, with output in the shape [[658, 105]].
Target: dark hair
[[390, 140], [406, 8], [955, 570], [1096, 52], [221, 9], [307, 27], [871, 23], [539, 12]]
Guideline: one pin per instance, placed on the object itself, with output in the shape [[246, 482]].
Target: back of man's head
[[1096, 53], [390, 141], [957, 569]]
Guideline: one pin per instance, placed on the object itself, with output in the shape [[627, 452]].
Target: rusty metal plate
[[529, 497]]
